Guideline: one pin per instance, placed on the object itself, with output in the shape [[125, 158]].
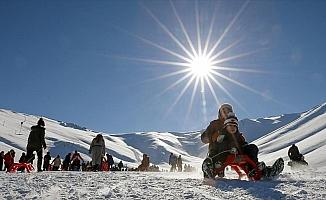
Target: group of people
[[72, 161], [222, 135], [175, 162]]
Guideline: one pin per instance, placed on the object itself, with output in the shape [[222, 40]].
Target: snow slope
[[307, 131], [136, 185], [62, 138]]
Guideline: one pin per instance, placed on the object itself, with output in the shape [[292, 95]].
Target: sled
[[21, 166], [297, 164], [242, 164]]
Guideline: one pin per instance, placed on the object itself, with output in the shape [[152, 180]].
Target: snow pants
[[39, 157]]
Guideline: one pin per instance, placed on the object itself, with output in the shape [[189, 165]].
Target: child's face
[[231, 129]]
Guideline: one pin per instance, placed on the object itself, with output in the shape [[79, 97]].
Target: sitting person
[[144, 163], [294, 153], [229, 138]]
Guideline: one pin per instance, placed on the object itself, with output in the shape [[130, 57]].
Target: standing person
[[120, 165], [36, 141], [97, 150], [56, 163], [2, 155], [75, 161], [179, 163], [46, 163], [66, 162], [9, 159], [110, 160], [173, 162]]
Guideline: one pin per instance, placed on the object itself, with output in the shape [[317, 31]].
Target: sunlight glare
[[201, 66]]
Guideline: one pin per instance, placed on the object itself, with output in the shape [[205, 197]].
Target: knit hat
[[41, 122], [223, 107], [231, 119]]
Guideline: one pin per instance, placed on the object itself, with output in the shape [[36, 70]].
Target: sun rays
[[200, 61]]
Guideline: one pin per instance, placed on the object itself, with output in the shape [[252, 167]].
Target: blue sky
[[68, 60]]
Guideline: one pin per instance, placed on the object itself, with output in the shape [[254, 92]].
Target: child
[[231, 139]]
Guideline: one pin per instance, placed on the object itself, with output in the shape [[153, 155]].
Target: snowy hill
[[62, 138], [307, 130]]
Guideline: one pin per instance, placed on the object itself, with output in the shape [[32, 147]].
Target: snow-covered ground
[[306, 129], [308, 184]]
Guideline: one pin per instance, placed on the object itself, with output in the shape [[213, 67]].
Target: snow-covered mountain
[[306, 129]]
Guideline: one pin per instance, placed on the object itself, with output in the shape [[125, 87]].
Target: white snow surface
[[306, 129]]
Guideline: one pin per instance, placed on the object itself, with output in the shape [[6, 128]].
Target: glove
[[220, 138]]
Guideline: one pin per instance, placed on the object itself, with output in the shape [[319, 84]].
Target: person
[[215, 127], [97, 150], [22, 158], [75, 161], [83, 166], [120, 165], [144, 163], [173, 162], [9, 158], [2, 154], [230, 139], [56, 163], [110, 160], [294, 153], [66, 162], [46, 163], [179, 163], [36, 141]]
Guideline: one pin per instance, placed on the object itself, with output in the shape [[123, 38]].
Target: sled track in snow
[[135, 185]]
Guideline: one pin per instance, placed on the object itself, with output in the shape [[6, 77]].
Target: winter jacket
[[110, 160], [56, 162], [76, 158], [227, 141], [211, 133], [179, 162], [294, 153], [36, 138], [47, 158], [173, 160], [9, 159], [97, 149], [22, 159]]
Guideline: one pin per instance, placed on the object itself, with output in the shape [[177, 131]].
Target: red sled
[[242, 165], [21, 166]]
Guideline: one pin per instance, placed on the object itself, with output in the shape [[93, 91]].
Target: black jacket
[[227, 141], [36, 138]]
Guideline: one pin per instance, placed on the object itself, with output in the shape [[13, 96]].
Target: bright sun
[[201, 66]]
